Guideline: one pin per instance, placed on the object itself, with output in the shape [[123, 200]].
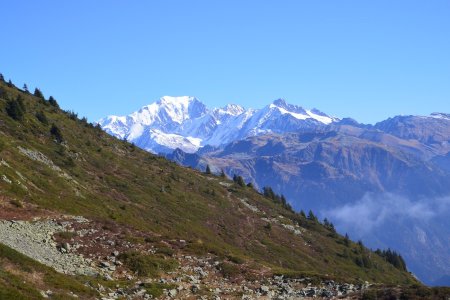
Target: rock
[[105, 264], [195, 288], [115, 253], [108, 277], [201, 272], [66, 246], [173, 293], [310, 292], [264, 289], [326, 293]]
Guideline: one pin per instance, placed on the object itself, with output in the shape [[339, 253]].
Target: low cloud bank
[[374, 210]]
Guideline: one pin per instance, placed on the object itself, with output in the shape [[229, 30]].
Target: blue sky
[[364, 59]]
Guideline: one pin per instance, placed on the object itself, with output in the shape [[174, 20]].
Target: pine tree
[[360, 244], [25, 88], [53, 102], [2, 79], [240, 181], [14, 110], [393, 258], [346, 240], [268, 192], [38, 93], [311, 216], [56, 133], [208, 170], [222, 174]]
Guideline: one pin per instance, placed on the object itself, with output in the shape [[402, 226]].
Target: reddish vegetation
[[13, 210]]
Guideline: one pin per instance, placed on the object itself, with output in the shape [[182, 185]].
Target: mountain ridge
[[186, 123], [344, 168], [136, 218]]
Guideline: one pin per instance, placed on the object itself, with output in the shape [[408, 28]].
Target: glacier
[[186, 123]]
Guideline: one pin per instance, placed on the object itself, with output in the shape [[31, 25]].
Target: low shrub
[[147, 265]]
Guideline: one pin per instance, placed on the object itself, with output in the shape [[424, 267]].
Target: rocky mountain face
[[186, 123], [387, 184]]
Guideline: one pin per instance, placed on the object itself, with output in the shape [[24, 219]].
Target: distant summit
[[186, 123]]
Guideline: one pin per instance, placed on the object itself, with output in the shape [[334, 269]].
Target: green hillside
[[53, 162]]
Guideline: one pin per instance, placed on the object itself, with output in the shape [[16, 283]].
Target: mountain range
[[387, 184], [187, 124], [75, 200]]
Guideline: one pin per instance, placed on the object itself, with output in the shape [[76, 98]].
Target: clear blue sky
[[365, 59]]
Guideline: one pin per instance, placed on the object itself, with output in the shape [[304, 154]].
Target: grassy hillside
[[52, 160]]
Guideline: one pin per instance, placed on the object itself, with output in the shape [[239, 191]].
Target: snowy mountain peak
[[180, 109], [440, 116], [279, 102], [177, 100], [185, 122], [284, 106], [232, 109]]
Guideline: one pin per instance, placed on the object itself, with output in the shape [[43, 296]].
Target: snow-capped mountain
[[186, 123]]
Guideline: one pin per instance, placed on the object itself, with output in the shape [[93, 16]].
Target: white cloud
[[374, 210]]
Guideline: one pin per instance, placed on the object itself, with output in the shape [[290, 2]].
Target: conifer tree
[[346, 240], [56, 133], [53, 102], [311, 216], [14, 110], [240, 181], [38, 93], [208, 170]]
